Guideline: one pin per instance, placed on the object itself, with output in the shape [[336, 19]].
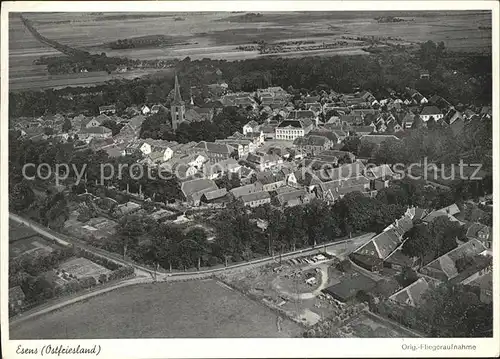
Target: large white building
[[290, 129]]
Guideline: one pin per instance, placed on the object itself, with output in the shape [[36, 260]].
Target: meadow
[[195, 309], [217, 34]]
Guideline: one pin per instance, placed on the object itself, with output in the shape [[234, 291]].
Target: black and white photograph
[[198, 171]]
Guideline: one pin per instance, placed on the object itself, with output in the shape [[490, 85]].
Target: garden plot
[[82, 267]]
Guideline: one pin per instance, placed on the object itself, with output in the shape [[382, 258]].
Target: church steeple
[[177, 108], [177, 93]]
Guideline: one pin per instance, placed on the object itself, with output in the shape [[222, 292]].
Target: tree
[[66, 127], [418, 242], [130, 228], [407, 277], [21, 197], [352, 144]]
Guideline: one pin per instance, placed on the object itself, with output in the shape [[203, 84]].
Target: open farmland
[[216, 35], [197, 309]]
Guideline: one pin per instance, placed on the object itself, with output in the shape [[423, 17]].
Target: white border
[[231, 348]]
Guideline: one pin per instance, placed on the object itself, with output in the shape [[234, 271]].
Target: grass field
[[216, 35], [197, 309]]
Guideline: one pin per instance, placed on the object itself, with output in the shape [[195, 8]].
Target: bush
[[88, 282], [103, 278]]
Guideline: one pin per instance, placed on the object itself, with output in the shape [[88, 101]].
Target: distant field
[[197, 309], [216, 34]]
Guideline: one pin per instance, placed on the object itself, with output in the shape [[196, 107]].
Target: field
[[82, 267], [216, 35], [29, 245], [197, 309]]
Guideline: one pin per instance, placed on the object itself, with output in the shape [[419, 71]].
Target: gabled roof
[[98, 129], [431, 110], [189, 188], [311, 140], [412, 294], [255, 196], [136, 122], [451, 210], [215, 147], [218, 193], [378, 139], [382, 245], [244, 190], [444, 267], [381, 171], [344, 172]]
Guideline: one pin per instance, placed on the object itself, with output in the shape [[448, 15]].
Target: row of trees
[[341, 73], [238, 237]]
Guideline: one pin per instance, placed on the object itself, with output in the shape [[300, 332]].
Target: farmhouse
[[256, 199], [348, 288], [431, 111], [412, 294]]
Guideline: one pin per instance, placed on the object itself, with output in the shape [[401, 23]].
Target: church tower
[[177, 108]]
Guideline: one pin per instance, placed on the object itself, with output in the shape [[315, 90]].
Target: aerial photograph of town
[[294, 174]]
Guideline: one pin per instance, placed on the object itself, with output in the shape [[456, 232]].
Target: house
[[382, 245], [94, 122], [215, 196], [247, 189], [127, 208], [378, 139], [199, 114], [397, 260], [333, 190], [408, 120], [482, 233], [445, 268], [294, 197], [194, 189], [138, 146], [312, 144], [145, 110], [16, 298], [412, 294], [94, 132], [292, 129], [264, 161], [131, 129], [250, 127], [216, 170], [349, 287], [431, 111], [271, 180], [380, 176], [363, 130], [216, 152], [484, 284], [159, 108], [256, 199], [107, 110], [455, 120], [303, 178], [446, 211], [424, 74], [371, 263], [97, 144], [344, 172]]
